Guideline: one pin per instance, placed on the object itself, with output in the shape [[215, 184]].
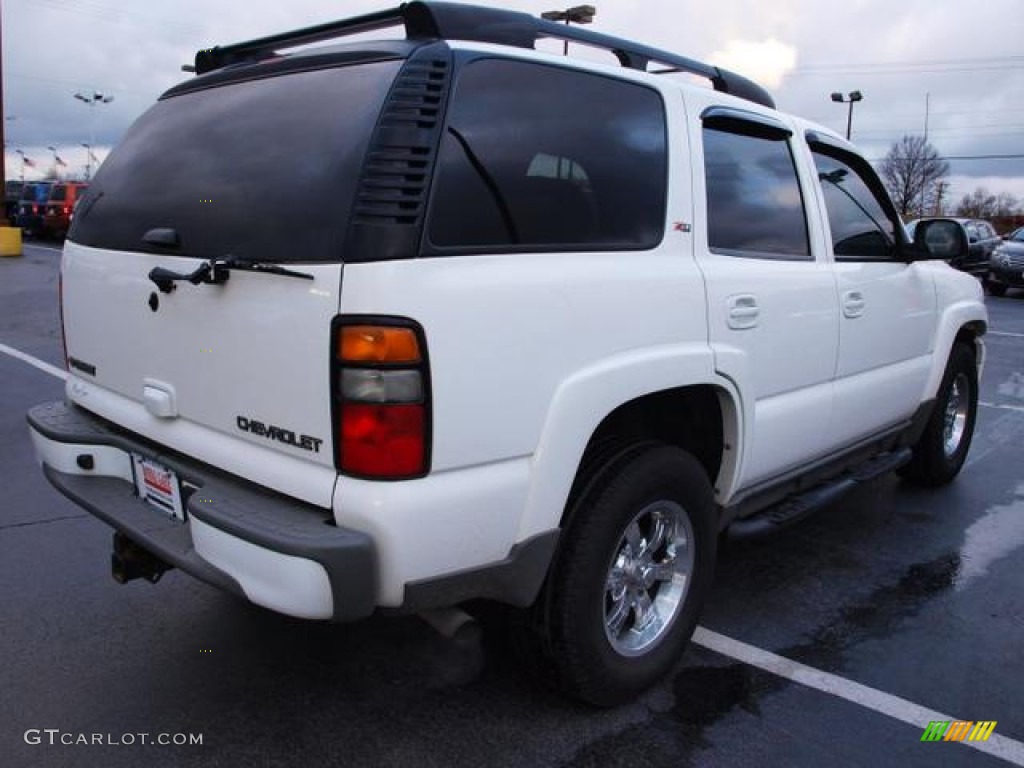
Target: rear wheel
[[942, 449], [633, 569]]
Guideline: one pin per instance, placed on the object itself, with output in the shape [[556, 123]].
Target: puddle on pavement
[[706, 694], [990, 538], [878, 614], [1013, 386]]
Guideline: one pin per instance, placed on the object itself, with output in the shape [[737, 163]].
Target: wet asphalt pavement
[[913, 593]]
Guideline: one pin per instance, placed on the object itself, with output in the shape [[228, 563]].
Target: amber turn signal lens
[[378, 344]]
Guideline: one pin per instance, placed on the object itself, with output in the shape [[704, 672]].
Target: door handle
[[853, 304], [743, 311]]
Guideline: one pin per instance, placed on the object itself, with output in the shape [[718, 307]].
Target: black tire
[[996, 289], [937, 456], [643, 494]]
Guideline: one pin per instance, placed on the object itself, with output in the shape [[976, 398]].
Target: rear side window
[[541, 158], [755, 207], [261, 169]]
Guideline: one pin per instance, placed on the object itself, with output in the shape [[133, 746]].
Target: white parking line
[[42, 247], [1002, 406], [871, 698], [34, 362]]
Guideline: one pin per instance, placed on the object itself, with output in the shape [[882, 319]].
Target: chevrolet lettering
[[286, 436]]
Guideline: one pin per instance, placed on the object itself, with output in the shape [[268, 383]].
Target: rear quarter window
[[539, 158]]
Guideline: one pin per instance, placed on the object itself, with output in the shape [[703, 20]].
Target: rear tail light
[[381, 398]]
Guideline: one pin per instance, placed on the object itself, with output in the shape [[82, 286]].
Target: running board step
[[795, 508]]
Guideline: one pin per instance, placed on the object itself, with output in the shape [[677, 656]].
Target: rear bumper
[[1006, 275], [274, 550]]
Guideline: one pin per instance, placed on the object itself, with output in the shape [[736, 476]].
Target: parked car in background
[[63, 196], [1006, 268], [12, 194], [32, 206], [981, 238]]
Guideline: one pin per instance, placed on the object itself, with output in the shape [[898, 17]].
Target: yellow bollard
[[10, 241]]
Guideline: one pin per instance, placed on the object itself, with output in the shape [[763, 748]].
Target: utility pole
[[940, 193], [3, 121], [927, 101]]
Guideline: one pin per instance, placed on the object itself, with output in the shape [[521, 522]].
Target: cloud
[[766, 62]]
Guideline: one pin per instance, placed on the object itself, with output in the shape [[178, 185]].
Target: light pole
[[850, 99], [578, 14], [56, 171], [92, 100], [88, 160], [25, 160]]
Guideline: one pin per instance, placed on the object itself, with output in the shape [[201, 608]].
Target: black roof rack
[[451, 21]]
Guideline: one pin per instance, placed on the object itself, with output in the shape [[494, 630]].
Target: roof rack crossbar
[[451, 21]]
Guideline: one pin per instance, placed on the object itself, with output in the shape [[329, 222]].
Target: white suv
[[401, 324]]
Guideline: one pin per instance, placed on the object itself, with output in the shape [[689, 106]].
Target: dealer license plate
[[159, 486]]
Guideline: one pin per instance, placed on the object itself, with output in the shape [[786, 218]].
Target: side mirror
[[940, 239]]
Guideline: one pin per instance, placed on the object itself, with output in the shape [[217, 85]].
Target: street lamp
[[88, 160], [91, 100], [25, 160], [853, 96], [578, 14], [56, 171]]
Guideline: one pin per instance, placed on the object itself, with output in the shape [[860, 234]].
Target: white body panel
[[257, 347]]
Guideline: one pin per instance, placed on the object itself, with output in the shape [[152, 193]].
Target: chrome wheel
[[956, 414], [648, 578]]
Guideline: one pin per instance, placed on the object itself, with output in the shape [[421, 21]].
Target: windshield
[[262, 170]]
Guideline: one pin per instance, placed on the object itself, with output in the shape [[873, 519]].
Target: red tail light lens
[[381, 399], [382, 440]]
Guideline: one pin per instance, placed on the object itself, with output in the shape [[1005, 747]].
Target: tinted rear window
[[260, 169], [59, 194]]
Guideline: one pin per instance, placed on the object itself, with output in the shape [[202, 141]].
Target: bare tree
[[979, 204], [982, 204], [911, 171]]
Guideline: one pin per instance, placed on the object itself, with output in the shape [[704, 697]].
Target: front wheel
[[942, 449], [630, 578]]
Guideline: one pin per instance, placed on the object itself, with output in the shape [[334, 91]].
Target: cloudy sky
[[964, 58]]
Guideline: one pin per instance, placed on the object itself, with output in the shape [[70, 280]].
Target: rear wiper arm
[[245, 265], [217, 272]]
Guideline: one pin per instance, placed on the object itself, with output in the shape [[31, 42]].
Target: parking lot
[[834, 642]]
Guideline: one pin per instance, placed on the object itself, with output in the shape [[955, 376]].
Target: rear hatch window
[[59, 194], [262, 169]]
